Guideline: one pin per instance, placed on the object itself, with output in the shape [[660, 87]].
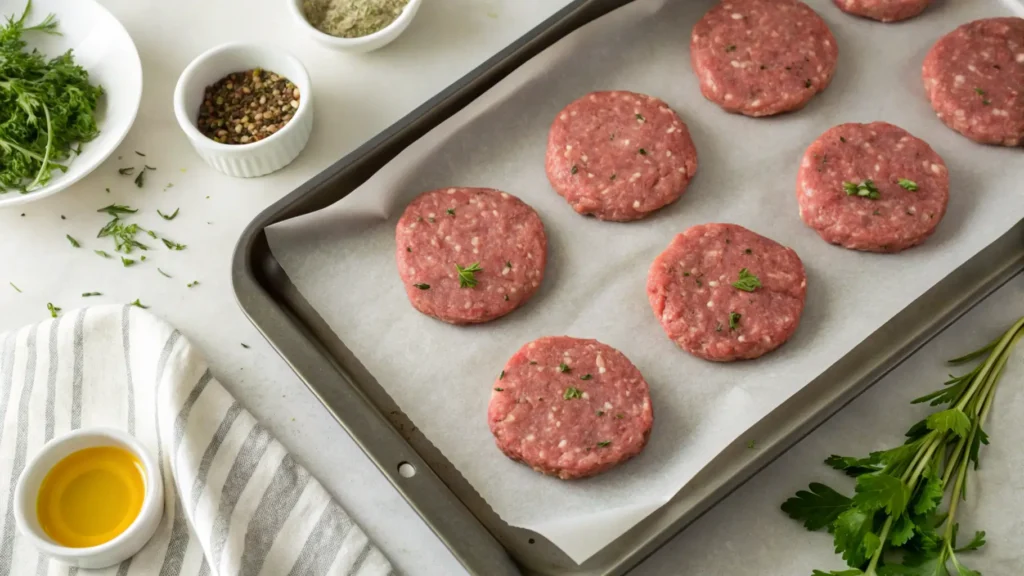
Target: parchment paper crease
[[342, 258]]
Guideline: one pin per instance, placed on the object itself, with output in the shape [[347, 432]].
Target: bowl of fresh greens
[[70, 87]]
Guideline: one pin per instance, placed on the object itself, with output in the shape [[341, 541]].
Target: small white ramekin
[[368, 43], [257, 158], [120, 548]]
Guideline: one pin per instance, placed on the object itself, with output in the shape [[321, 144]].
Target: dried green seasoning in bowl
[[245, 107], [352, 18]]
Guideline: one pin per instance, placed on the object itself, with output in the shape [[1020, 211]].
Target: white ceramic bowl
[[367, 43], [257, 158], [128, 542], [103, 47]]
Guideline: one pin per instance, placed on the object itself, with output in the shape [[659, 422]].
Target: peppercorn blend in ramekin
[[248, 106]]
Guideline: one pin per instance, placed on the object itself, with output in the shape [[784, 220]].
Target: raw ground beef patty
[[619, 155], [883, 10], [762, 57], [445, 229], [570, 408], [911, 180], [692, 292], [974, 77]]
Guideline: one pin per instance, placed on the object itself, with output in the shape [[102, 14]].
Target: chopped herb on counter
[[138, 304], [15, 287], [88, 294], [734, 320], [116, 210], [352, 18], [164, 274], [54, 310], [173, 245], [127, 262], [751, 445], [73, 241], [102, 253], [141, 178], [571, 393], [192, 284], [467, 275], [246, 107], [244, 345], [140, 153], [172, 215], [908, 185], [126, 171], [747, 281], [123, 235]]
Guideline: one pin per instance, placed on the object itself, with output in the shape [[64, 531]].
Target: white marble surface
[[357, 96]]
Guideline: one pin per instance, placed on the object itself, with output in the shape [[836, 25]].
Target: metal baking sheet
[[537, 555]]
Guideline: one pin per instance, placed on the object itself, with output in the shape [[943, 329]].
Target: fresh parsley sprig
[[467, 275], [865, 189], [899, 492], [747, 281]]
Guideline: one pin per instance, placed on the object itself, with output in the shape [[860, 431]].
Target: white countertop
[[357, 97]]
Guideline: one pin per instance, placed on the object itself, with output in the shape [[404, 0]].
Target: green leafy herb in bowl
[[48, 107]]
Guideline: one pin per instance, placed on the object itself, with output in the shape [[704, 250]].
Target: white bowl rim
[[185, 83], [150, 503], [66, 181], [404, 17]]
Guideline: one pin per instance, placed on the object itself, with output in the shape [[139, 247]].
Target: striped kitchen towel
[[236, 501]]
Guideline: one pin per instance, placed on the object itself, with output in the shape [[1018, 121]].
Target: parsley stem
[[49, 146], [881, 547], [1011, 336]]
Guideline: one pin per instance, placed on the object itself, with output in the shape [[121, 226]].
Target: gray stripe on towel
[[275, 506], [20, 451], [199, 484], [324, 542], [245, 464]]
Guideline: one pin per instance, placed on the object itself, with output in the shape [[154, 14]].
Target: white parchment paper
[[342, 258]]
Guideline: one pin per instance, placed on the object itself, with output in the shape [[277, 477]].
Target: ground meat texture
[[974, 77], [762, 57], [849, 154], [691, 290], [883, 10], [619, 155], [442, 229], [570, 408]]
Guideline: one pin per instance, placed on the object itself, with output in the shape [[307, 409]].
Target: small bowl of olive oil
[[91, 498]]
